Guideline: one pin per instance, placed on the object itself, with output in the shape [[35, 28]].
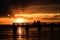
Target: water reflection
[[19, 31], [32, 34], [6, 33]]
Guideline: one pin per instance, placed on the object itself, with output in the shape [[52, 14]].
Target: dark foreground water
[[6, 33]]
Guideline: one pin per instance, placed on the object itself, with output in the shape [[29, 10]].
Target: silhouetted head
[[34, 21], [38, 21], [13, 23]]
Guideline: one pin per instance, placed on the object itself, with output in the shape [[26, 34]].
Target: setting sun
[[19, 20]]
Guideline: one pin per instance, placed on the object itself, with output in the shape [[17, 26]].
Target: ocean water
[[6, 33]]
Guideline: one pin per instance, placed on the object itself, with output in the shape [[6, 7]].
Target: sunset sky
[[29, 10]]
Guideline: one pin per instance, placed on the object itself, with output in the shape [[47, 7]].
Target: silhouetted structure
[[36, 24]]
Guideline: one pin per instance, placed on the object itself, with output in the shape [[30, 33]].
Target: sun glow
[[19, 20]]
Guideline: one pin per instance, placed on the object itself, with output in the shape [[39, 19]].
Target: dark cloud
[[5, 5], [24, 3], [43, 9]]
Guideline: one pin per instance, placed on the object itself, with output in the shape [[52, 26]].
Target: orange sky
[[43, 13], [30, 18]]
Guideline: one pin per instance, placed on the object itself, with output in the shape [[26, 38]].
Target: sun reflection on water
[[19, 31]]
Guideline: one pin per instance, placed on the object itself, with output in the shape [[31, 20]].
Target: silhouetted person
[[38, 23], [14, 32], [27, 31], [59, 31], [39, 29], [52, 25], [52, 31]]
